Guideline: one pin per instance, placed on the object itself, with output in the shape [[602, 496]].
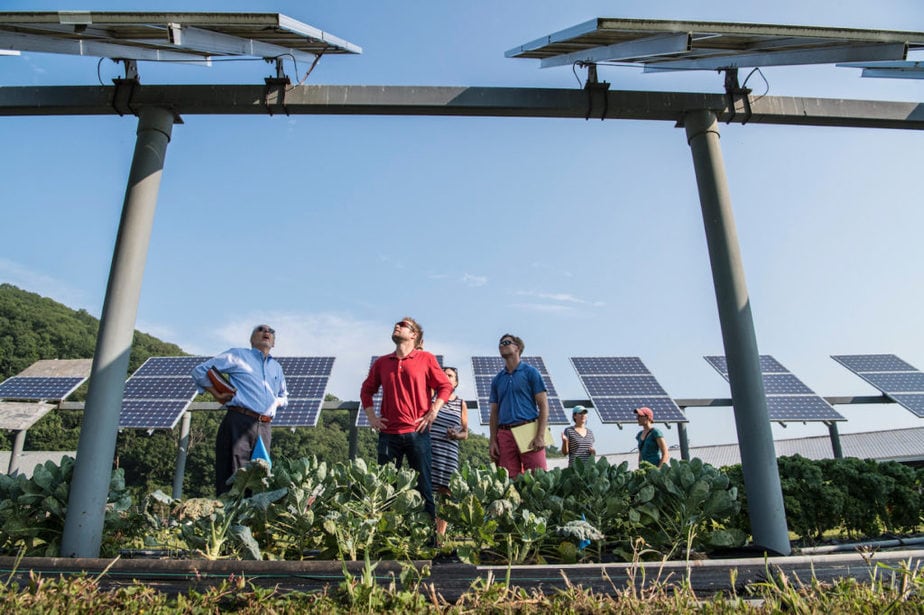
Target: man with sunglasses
[[407, 376], [518, 398], [256, 388]]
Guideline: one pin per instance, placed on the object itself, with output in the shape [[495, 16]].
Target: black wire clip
[[733, 92]]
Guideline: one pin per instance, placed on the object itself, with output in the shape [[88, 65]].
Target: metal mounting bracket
[[734, 92], [278, 84], [125, 88], [594, 86]]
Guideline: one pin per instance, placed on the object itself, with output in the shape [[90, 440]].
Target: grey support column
[[835, 440], [755, 436], [684, 441], [181, 454], [18, 442], [83, 526]]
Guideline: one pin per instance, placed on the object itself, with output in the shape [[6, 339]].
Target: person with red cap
[[651, 444]]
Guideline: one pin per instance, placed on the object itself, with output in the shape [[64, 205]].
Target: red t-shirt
[[406, 384]]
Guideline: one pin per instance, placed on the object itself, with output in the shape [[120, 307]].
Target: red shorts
[[513, 460]]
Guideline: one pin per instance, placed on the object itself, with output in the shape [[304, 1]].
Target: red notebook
[[220, 382]]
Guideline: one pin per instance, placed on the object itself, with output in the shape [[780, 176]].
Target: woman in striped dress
[[578, 441], [450, 426]]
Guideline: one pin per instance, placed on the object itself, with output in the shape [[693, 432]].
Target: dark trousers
[[416, 448], [234, 444]]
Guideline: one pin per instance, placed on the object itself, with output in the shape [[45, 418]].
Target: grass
[[888, 590]]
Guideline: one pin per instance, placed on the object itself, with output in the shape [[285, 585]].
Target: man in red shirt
[[407, 376]]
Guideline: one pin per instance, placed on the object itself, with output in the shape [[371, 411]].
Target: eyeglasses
[[506, 342], [406, 325], [265, 329]]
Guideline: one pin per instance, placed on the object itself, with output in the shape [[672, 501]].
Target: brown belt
[[263, 418], [512, 425]]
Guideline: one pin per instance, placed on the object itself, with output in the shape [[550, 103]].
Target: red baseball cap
[[645, 411]]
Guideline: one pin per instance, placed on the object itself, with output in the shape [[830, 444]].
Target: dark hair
[[516, 340], [454, 371]]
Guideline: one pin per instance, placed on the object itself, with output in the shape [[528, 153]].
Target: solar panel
[[299, 413], [683, 45], [169, 366], [306, 366], [895, 378], [306, 381], [158, 393], [160, 387], [788, 398], [151, 413], [168, 36], [361, 419], [768, 365], [859, 363], [618, 385], [487, 367], [24, 388]]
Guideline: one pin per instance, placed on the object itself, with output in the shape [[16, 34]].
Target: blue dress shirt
[[260, 383]]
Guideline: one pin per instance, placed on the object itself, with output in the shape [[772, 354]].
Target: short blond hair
[[420, 333]]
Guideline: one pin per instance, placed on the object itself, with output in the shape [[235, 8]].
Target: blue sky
[[584, 238]]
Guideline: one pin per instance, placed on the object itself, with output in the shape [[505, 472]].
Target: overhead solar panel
[[895, 378], [361, 419], [158, 393], [788, 398], [19, 388], [487, 367], [306, 381], [167, 36], [698, 45], [907, 69], [618, 385]]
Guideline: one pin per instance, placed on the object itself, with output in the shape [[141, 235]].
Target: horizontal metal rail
[[452, 101]]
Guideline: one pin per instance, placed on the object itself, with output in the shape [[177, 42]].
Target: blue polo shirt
[[515, 394]]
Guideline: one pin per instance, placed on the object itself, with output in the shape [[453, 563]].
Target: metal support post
[[755, 436], [89, 492], [18, 442], [684, 441], [835, 440], [181, 454], [353, 435]]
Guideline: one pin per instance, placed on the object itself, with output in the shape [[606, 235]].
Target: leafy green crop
[[32, 510]]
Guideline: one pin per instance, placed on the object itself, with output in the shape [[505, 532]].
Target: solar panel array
[[487, 367], [618, 385], [24, 388], [895, 378], [158, 393], [788, 398], [361, 419], [306, 381]]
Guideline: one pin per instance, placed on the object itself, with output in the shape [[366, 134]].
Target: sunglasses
[[506, 342], [265, 329], [406, 325]]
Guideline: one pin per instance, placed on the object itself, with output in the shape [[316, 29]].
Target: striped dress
[[445, 451], [578, 445]]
